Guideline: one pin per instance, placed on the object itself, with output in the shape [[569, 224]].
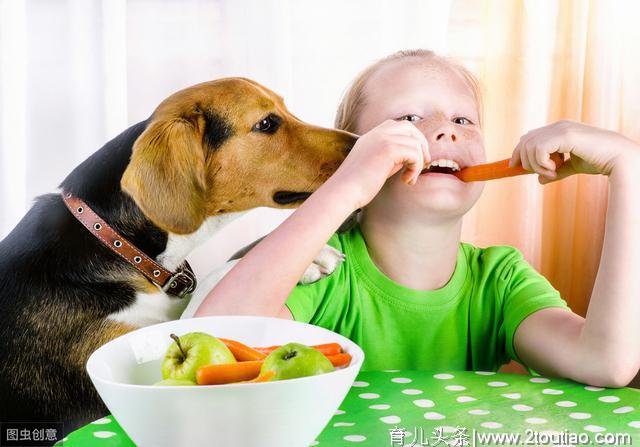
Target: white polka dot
[[401, 380], [355, 438], [380, 407], [360, 384], [424, 403], [485, 373], [609, 399], [479, 412], [102, 421], [491, 425], [411, 391], [432, 415], [344, 424], [463, 399], [443, 376], [391, 370], [536, 420], [390, 419], [566, 403], [497, 384], [455, 388], [512, 395], [622, 410], [539, 380], [593, 388], [579, 415], [369, 396], [520, 407], [634, 424], [594, 428], [552, 391], [339, 412], [103, 434]]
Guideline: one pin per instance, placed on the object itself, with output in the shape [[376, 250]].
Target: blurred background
[[75, 73]]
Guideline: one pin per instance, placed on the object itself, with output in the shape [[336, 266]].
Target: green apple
[[296, 360], [175, 382], [191, 351]]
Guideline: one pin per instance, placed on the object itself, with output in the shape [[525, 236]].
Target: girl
[[410, 292]]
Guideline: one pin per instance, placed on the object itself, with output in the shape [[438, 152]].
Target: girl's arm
[[263, 279], [604, 348]]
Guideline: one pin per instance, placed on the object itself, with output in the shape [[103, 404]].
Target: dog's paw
[[323, 265]]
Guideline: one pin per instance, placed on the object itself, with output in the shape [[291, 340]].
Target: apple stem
[[177, 340]]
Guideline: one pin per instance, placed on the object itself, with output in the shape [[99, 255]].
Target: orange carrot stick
[[265, 377], [228, 372], [498, 169], [325, 348], [242, 352], [338, 360]]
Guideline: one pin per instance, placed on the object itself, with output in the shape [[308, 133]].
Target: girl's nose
[[444, 136]]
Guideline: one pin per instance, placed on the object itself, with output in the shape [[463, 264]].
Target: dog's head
[[224, 146]]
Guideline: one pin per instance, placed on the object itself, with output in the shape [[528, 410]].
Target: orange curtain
[[544, 61]]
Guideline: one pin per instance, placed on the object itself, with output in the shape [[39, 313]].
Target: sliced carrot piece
[[228, 372], [498, 169], [338, 360], [242, 352]]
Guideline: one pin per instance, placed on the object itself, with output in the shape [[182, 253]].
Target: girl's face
[[441, 105]]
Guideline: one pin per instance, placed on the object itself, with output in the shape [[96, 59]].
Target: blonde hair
[[353, 99]]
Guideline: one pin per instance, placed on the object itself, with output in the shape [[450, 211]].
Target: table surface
[[386, 408]]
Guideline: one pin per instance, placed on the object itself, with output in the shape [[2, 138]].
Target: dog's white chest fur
[[152, 308]]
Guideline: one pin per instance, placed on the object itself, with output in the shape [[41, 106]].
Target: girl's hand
[[592, 150], [376, 156]]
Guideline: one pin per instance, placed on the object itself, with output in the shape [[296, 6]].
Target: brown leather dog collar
[[177, 284]]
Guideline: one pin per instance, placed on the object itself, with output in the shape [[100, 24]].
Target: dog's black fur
[[51, 265]]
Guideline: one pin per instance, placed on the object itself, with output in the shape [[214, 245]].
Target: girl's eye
[[412, 118], [462, 120]]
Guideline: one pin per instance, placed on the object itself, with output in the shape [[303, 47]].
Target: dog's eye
[[268, 124]]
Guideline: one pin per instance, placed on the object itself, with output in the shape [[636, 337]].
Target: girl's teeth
[[445, 163]]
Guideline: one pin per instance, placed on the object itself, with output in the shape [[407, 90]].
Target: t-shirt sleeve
[[306, 301], [525, 291]]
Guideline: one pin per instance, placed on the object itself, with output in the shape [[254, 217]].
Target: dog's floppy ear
[[166, 176]]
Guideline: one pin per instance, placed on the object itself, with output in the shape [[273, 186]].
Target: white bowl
[[288, 412]]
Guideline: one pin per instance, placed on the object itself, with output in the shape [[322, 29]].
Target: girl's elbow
[[613, 375]]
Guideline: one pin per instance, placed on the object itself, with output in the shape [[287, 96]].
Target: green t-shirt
[[468, 324]]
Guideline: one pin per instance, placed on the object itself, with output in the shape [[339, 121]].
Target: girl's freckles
[[430, 124]]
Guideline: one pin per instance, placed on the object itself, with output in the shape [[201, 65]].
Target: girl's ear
[[166, 178]]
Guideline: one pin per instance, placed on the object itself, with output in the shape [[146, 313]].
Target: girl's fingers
[[563, 171], [515, 158], [524, 159], [405, 128], [540, 161], [410, 156]]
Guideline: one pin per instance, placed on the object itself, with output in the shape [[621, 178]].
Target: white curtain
[[75, 73]]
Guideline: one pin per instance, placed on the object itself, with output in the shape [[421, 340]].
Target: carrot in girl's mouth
[[498, 169]]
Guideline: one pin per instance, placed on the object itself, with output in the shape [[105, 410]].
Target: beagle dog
[[82, 266]]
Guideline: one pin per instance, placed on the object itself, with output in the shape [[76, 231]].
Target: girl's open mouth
[[441, 166]]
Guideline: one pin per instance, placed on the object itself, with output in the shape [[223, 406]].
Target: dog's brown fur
[[199, 155], [169, 154]]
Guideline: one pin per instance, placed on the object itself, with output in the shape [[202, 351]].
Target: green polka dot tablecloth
[[416, 408]]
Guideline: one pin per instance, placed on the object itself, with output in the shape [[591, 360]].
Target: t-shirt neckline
[[427, 298]]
